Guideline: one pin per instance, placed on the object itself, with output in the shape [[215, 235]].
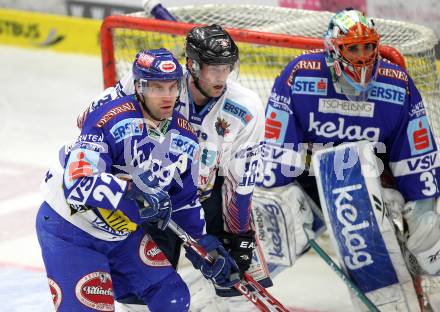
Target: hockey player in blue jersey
[[229, 121], [348, 93], [135, 162]]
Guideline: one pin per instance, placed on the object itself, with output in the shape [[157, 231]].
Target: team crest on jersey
[[56, 293], [150, 253], [95, 291], [222, 127]]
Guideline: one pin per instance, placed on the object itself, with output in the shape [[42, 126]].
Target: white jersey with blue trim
[[230, 129], [305, 109]]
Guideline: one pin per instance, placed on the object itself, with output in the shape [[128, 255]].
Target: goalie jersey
[[230, 129], [116, 143], [305, 108]]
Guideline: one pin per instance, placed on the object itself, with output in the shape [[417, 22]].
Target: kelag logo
[[358, 255], [348, 205], [310, 85]]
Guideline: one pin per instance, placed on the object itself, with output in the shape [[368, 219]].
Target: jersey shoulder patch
[[392, 71], [243, 103], [310, 64], [183, 125], [114, 111]]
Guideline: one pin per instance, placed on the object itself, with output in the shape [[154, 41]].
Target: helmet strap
[[198, 87], [337, 67], [196, 81], [141, 99]]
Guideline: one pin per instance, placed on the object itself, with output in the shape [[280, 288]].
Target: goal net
[[268, 38]]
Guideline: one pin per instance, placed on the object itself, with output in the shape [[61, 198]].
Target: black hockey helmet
[[211, 45]]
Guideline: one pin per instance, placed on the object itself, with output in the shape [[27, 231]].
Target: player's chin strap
[[146, 109], [196, 83], [248, 287]]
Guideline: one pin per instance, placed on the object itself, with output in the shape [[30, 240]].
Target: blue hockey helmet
[[156, 65]]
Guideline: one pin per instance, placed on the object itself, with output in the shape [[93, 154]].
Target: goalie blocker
[[359, 226]]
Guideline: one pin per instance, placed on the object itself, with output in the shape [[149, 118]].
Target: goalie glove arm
[[424, 233]]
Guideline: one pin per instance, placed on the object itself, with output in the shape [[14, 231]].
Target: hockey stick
[[249, 288], [344, 277]]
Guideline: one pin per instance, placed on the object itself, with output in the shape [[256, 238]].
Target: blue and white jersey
[[117, 143], [230, 130], [305, 109]]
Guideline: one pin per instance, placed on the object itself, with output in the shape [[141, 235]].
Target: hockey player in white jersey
[[229, 122]]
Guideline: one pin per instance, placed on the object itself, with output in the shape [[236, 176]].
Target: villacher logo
[[95, 291]]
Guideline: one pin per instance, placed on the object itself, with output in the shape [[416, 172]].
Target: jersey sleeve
[[284, 143], [123, 87], [87, 176], [240, 161], [413, 151]]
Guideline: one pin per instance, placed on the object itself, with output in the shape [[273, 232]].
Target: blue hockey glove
[[224, 271], [154, 203]]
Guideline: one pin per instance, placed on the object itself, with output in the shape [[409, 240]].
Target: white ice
[[41, 95]]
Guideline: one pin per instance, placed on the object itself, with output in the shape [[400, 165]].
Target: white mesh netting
[[260, 64]]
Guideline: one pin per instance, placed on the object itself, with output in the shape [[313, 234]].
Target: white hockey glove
[[424, 234], [394, 202]]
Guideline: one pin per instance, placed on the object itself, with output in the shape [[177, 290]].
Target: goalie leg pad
[[279, 215], [363, 236]]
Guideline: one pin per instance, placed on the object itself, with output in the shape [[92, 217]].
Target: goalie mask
[[159, 77], [352, 44], [212, 47]]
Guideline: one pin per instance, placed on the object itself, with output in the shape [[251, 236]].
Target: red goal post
[[112, 24]]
